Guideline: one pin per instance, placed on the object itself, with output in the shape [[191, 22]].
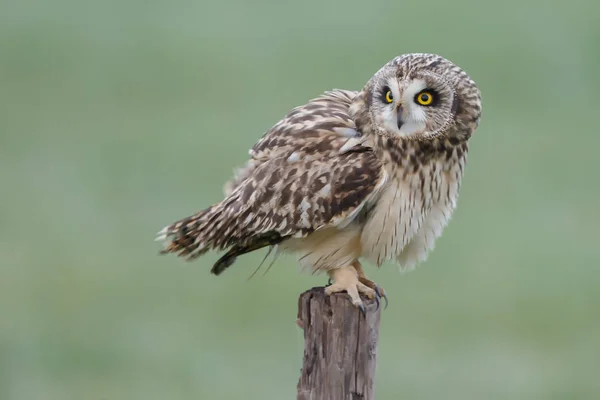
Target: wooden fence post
[[340, 347]]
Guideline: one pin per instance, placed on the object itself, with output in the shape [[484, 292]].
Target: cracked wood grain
[[340, 347]]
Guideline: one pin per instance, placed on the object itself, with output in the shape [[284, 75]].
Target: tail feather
[[220, 227], [190, 236]]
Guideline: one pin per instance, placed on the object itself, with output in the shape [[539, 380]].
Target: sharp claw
[[361, 307], [377, 301], [379, 295], [328, 282]]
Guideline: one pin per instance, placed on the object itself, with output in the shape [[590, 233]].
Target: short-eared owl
[[373, 174]]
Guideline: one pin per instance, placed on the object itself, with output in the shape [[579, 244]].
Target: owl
[[351, 175]]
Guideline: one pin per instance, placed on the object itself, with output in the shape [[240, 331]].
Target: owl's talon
[[361, 307], [345, 279], [381, 294], [362, 278]]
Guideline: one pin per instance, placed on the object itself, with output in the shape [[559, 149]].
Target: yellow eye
[[388, 96], [424, 98]]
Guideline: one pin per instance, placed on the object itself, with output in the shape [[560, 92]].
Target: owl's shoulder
[[302, 128], [315, 130]]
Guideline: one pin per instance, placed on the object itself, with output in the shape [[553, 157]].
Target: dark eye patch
[[426, 93], [383, 94]]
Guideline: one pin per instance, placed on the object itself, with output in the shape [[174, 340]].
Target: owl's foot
[[379, 292], [362, 278], [346, 279]]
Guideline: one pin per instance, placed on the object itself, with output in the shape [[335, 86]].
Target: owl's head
[[421, 97]]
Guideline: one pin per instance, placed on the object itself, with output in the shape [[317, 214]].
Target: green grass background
[[117, 117]]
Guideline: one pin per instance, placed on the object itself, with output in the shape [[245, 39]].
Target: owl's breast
[[411, 212]]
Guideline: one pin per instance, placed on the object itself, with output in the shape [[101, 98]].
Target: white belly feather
[[409, 215]]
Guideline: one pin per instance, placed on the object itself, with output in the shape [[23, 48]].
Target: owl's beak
[[399, 116]]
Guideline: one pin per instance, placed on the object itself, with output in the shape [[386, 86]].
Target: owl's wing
[[304, 131], [281, 199], [298, 180]]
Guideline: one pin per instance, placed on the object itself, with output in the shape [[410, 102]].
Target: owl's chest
[[417, 201]]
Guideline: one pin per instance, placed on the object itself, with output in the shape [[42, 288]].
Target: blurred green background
[[118, 117]]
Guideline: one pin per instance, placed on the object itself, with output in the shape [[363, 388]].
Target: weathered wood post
[[340, 347]]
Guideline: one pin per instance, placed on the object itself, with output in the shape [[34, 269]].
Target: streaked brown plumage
[[372, 174]]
